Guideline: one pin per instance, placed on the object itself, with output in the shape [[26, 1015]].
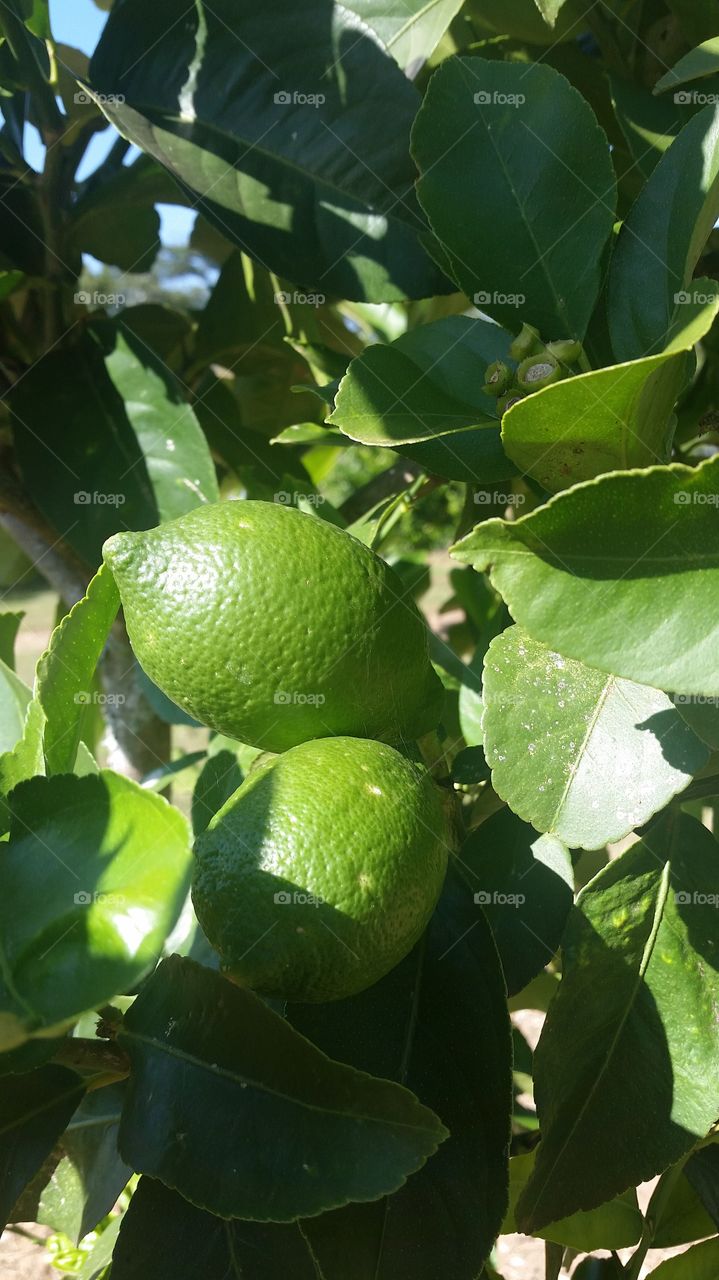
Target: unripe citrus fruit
[[274, 627], [322, 870]]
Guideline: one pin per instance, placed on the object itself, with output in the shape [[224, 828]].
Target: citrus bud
[[526, 343], [497, 378], [566, 350], [538, 371], [505, 402]]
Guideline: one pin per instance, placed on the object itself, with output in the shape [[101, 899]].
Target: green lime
[[274, 627], [322, 870]]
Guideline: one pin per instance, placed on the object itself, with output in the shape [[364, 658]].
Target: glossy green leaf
[[576, 752], [91, 882], [77, 450], [36, 16], [24, 760], [449, 991], [193, 1243], [241, 1086], [220, 777], [614, 1225], [425, 390], [591, 574], [635, 1091], [14, 697], [650, 278], [411, 31], [34, 1109], [682, 1218], [524, 884], [273, 125], [179, 464], [649, 124], [517, 182], [702, 1172], [90, 1174], [610, 419], [701, 1262], [696, 65], [66, 669]]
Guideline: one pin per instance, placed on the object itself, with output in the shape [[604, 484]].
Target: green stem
[[655, 1209]]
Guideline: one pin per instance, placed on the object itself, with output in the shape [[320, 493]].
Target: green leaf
[[100, 1256], [550, 10], [701, 1262], [9, 626], [517, 181], [116, 223], [610, 419], [614, 1225], [682, 1218], [631, 1095], [91, 882], [425, 389], [696, 65], [14, 698], [524, 884], [291, 170], [702, 714], [34, 1109], [595, 586], [192, 1240], [24, 761], [220, 777], [36, 17], [179, 463], [650, 277], [449, 991], [702, 1172], [649, 124], [233, 1067], [412, 31], [90, 1174], [77, 451], [66, 669], [576, 752]]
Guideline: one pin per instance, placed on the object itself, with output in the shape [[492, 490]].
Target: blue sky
[[79, 23]]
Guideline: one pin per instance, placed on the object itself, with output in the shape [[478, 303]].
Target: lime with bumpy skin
[[322, 870], [274, 627]]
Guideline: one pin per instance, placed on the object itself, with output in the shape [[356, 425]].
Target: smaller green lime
[[322, 870]]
